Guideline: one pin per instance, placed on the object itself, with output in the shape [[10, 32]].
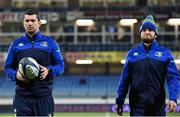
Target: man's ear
[[40, 23]]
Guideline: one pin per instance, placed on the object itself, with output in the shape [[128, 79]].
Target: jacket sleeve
[[123, 83], [10, 69], [57, 67], [173, 79]]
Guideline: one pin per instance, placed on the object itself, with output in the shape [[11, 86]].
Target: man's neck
[[31, 35], [147, 45]]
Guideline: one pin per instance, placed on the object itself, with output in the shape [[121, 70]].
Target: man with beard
[[34, 97], [148, 66]]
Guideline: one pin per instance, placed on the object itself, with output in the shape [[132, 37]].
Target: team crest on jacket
[[44, 44], [158, 54]]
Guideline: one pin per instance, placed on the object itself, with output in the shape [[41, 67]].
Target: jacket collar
[[153, 46], [36, 36]]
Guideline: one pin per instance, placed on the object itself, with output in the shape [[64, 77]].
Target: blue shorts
[[33, 106], [157, 110]]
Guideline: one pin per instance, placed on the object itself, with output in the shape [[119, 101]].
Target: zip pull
[[32, 43]]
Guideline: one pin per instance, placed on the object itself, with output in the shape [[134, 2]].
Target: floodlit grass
[[86, 114]]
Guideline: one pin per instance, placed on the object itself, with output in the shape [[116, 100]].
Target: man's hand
[[172, 105], [20, 77], [44, 72], [119, 110]]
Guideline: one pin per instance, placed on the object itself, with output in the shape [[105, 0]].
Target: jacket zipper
[[32, 44], [148, 83], [147, 52]]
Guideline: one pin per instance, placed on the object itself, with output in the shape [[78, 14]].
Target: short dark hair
[[33, 12]]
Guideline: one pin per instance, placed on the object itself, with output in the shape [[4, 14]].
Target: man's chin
[[30, 32], [148, 41]]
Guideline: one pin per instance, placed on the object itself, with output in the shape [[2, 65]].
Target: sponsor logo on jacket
[[135, 54], [20, 44]]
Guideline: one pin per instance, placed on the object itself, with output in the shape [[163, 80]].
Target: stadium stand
[[73, 86]]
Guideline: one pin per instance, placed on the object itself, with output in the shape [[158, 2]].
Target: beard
[[148, 41]]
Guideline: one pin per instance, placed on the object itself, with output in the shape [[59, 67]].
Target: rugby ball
[[29, 68]]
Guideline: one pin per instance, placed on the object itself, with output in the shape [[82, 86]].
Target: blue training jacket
[[46, 52], [145, 73]]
